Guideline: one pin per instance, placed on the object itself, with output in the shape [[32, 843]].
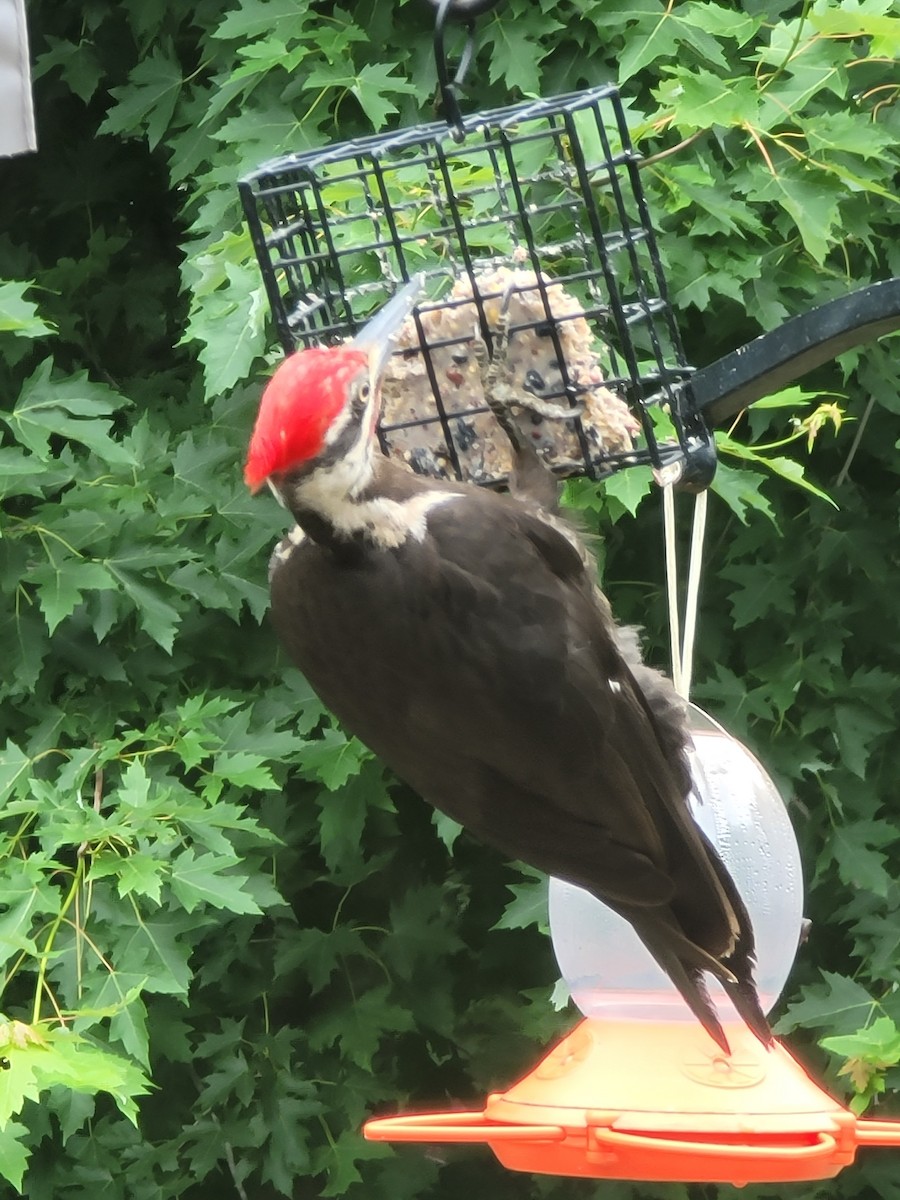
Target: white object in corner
[[17, 133]]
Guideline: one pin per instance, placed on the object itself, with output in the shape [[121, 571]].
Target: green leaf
[[516, 53], [790, 469], [740, 489], [69, 407], [61, 586], [529, 903], [80, 65], [19, 316], [39, 1060], [74, 1062], [155, 615], [722, 21], [838, 132], [371, 85], [701, 100], [253, 18], [319, 953], [856, 727], [879, 1041], [343, 813], [360, 1026], [787, 468], [873, 19], [200, 879], [341, 1164], [73, 1110], [419, 930], [627, 489], [128, 1028], [242, 769], [859, 864], [147, 102], [677, 32], [155, 948], [13, 1155], [446, 828], [15, 767], [868, 1053], [812, 203], [334, 758], [836, 1002], [228, 310], [141, 875], [819, 68], [758, 595]]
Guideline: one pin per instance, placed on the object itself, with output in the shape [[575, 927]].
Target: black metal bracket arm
[[782, 355]]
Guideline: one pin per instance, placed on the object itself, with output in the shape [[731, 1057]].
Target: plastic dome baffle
[[638, 1090]]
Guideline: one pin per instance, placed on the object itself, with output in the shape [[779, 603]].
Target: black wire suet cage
[[550, 188]]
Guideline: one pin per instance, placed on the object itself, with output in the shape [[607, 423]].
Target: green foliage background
[[203, 882]]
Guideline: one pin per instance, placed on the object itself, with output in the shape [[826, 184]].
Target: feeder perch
[[638, 1090], [617, 1101]]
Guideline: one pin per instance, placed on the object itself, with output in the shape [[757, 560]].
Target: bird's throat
[[335, 515]]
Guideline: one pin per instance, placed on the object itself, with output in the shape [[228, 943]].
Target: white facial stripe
[[283, 550], [345, 478], [338, 425], [386, 523], [275, 492], [389, 523], [366, 420]]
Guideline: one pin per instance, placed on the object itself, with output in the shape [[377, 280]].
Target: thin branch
[[688, 141], [851, 454], [782, 66], [760, 146], [98, 801], [232, 1167]]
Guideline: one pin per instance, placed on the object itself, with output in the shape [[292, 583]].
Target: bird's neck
[[382, 506]]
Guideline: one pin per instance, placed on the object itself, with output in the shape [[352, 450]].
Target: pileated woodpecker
[[460, 634]]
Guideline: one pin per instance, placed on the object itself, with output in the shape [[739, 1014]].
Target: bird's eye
[[359, 399]]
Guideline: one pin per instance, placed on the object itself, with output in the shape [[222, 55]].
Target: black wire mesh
[[548, 186]]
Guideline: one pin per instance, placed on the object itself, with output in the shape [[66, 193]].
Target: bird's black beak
[[377, 336]]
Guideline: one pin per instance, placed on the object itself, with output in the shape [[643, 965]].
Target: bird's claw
[[501, 397]]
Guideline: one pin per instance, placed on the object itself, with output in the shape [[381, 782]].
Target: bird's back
[[487, 676]]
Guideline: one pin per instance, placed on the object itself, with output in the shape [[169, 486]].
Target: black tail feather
[[692, 986], [688, 977], [742, 960], [743, 994]]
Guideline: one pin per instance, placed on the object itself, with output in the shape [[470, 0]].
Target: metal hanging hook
[[465, 11]]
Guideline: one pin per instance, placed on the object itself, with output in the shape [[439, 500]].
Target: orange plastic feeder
[[658, 1101], [639, 1090]]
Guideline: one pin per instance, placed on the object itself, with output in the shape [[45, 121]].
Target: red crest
[[299, 403]]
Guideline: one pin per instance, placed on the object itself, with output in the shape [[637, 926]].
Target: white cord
[[692, 599], [672, 585], [683, 648]]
